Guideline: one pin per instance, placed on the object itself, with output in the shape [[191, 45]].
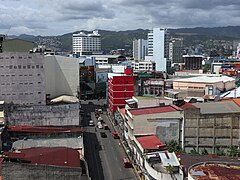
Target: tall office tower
[[238, 52], [139, 49], [158, 48], [86, 44], [175, 50]]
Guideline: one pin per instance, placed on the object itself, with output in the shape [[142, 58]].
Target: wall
[[22, 78], [39, 172], [62, 75], [209, 130], [61, 115]]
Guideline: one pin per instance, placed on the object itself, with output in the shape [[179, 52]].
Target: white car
[[100, 126], [91, 123]]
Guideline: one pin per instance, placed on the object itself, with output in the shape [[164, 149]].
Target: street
[[104, 155]]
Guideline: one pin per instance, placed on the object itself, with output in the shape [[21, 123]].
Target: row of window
[[12, 57], [22, 67], [20, 75], [14, 94]]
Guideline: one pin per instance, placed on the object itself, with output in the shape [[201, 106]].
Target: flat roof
[[168, 158], [150, 142], [218, 107], [66, 157], [75, 143], [205, 79], [154, 110]]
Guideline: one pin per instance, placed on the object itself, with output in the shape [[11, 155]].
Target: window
[[15, 67], [28, 66], [37, 66], [39, 82], [33, 67], [24, 67], [19, 66], [39, 92]]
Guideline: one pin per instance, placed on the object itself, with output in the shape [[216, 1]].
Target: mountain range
[[123, 39]]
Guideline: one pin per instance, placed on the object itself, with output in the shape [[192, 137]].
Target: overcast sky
[[57, 17]]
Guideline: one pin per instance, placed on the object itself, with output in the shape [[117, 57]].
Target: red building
[[120, 88]]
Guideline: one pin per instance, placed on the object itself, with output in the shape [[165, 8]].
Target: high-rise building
[[158, 48], [86, 44], [175, 50], [120, 88], [139, 49]]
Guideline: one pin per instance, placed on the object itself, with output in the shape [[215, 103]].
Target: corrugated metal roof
[[150, 142], [42, 129], [154, 110], [206, 79], [67, 157], [218, 107]]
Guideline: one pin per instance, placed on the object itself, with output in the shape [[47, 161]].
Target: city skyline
[[59, 17]]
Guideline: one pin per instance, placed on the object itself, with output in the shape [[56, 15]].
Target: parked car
[[126, 162], [105, 126], [115, 135], [100, 111], [103, 134]]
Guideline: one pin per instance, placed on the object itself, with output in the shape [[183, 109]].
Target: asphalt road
[[103, 155]]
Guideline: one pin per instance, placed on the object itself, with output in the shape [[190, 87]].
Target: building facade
[[158, 48], [62, 75], [193, 62], [139, 49], [22, 78], [86, 44], [144, 66], [120, 88], [175, 50]]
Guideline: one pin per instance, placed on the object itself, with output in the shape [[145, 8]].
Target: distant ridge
[[123, 39]]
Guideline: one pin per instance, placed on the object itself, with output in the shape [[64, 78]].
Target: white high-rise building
[[158, 48], [139, 49], [86, 44]]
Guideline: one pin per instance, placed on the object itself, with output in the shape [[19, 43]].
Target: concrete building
[[43, 163], [143, 66], [62, 76], [120, 88], [109, 59], [140, 49], [158, 48], [211, 125], [175, 50], [152, 159], [86, 44], [56, 115], [193, 62], [22, 77], [203, 85]]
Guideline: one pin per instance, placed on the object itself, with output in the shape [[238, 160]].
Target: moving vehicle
[[100, 111], [126, 162], [91, 123], [115, 135], [103, 134]]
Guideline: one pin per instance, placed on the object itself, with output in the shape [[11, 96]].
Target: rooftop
[[47, 156], [187, 160], [206, 79], [218, 107], [154, 110], [215, 171], [187, 105], [150, 142], [42, 129]]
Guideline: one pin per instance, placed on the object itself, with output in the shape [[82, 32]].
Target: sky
[[57, 17]]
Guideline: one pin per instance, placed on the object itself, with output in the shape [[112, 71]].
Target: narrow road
[[103, 155]]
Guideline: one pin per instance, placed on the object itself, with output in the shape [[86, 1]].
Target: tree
[[233, 151], [173, 146], [204, 152], [220, 152]]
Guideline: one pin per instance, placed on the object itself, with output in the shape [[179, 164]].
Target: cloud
[[61, 16]]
